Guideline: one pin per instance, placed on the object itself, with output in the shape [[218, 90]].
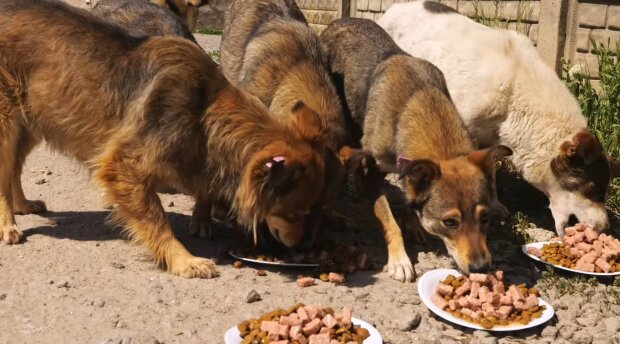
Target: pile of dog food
[[582, 248], [302, 324], [483, 299]]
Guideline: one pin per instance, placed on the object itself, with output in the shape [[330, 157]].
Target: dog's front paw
[[10, 234], [201, 229], [29, 207], [194, 267], [401, 269]]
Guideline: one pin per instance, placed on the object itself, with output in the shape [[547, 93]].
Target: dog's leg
[[200, 225], [399, 266], [9, 232], [139, 208], [21, 205]]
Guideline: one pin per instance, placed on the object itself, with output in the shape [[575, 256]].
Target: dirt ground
[[77, 280]]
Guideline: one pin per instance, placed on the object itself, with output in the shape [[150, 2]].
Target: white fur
[[505, 93]]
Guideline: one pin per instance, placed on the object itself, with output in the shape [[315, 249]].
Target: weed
[[215, 56], [209, 31], [496, 16]]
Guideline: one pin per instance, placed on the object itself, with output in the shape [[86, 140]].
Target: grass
[[215, 56], [496, 17], [601, 106], [209, 31]]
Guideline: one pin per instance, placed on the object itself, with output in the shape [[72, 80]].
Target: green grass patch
[[493, 14], [215, 56]]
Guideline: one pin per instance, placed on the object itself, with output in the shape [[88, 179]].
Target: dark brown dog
[[143, 17], [410, 125], [186, 9], [140, 112]]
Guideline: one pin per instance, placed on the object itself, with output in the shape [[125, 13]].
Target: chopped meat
[[444, 289], [346, 316], [463, 288], [453, 304], [475, 288], [329, 321], [303, 315], [284, 341], [603, 265], [319, 339], [336, 277], [499, 288], [531, 301], [270, 326], [283, 331], [499, 275], [481, 278], [312, 327], [312, 310], [482, 293], [580, 227], [505, 300], [294, 332], [579, 236], [570, 241], [534, 251], [570, 231], [515, 293], [504, 311], [589, 267], [591, 234], [305, 282], [582, 246]]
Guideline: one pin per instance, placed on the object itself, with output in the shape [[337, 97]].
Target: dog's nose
[[479, 267]]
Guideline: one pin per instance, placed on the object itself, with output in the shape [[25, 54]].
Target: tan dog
[[141, 112], [186, 9], [411, 127]]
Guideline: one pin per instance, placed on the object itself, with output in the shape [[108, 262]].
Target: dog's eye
[[484, 217], [450, 223]]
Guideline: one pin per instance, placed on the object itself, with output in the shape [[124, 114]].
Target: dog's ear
[[584, 147], [614, 166], [366, 173], [306, 121], [419, 176], [485, 158]]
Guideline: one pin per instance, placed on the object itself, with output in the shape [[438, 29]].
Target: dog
[[144, 111], [186, 9], [269, 50], [519, 102], [144, 17], [411, 127]]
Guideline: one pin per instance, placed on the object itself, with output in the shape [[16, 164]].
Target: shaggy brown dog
[[186, 9], [140, 112], [411, 126], [143, 17]]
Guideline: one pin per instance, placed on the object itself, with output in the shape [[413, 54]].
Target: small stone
[[2, 297], [118, 265], [121, 324], [409, 322], [253, 296], [261, 273], [549, 331], [126, 341], [62, 284], [40, 181], [481, 334], [588, 320], [237, 264], [612, 324], [99, 303], [171, 204], [48, 173], [581, 337], [488, 340]]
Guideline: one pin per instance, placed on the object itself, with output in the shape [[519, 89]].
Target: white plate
[[264, 262], [539, 246], [426, 287], [232, 335]]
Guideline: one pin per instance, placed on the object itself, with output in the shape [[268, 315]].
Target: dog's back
[[142, 17]]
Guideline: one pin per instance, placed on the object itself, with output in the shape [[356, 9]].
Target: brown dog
[[411, 126], [186, 9], [269, 50], [144, 17], [140, 112]]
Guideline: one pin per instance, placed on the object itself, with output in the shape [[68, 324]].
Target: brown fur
[[143, 17], [141, 112], [186, 9], [403, 108]]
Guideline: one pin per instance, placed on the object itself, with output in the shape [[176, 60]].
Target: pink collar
[[276, 159]]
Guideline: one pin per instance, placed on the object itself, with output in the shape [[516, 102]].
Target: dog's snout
[[483, 267]]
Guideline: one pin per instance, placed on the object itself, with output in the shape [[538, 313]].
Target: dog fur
[[506, 94], [404, 109], [143, 17], [140, 112], [186, 9]]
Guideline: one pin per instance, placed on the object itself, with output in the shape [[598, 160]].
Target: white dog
[[506, 94]]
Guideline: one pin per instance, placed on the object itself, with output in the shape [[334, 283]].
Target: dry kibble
[[261, 273], [237, 264]]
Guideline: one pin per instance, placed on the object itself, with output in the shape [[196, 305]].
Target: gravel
[[409, 321], [253, 296]]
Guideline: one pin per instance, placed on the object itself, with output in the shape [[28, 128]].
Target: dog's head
[[581, 175], [186, 9], [285, 179], [454, 200]]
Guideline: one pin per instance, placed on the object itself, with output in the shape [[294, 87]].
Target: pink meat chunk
[[312, 310], [480, 278], [591, 234], [475, 289], [570, 241], [579, 236], [531, 301], [534, 251], [589, 258], [580, 227], [603, 265], [463, 288], [597, 245], [444, 289], [270, 326], [301, 339], [319, 339], [499, 288], [284, 341], [453, 304], [582, 246], [574, 252], [312, 327], [305, 282], [294, 332], [499, 275], [504, 311], [570, 231], [482, 293], [283, 331], [462, 301], [324, 330], [346, 316], [515, 293], [556, 239], [329, 321], [505, 300], [303, 315], [589, 267], [336, 277]]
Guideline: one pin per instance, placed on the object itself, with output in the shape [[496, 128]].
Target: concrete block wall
[[598, 20], [319, 13]]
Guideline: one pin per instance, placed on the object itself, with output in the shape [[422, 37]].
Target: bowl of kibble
[[301, 324]]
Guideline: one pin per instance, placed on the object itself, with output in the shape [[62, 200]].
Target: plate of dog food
[[270, 260], [482, 301], [581, 250], [304, 324]]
